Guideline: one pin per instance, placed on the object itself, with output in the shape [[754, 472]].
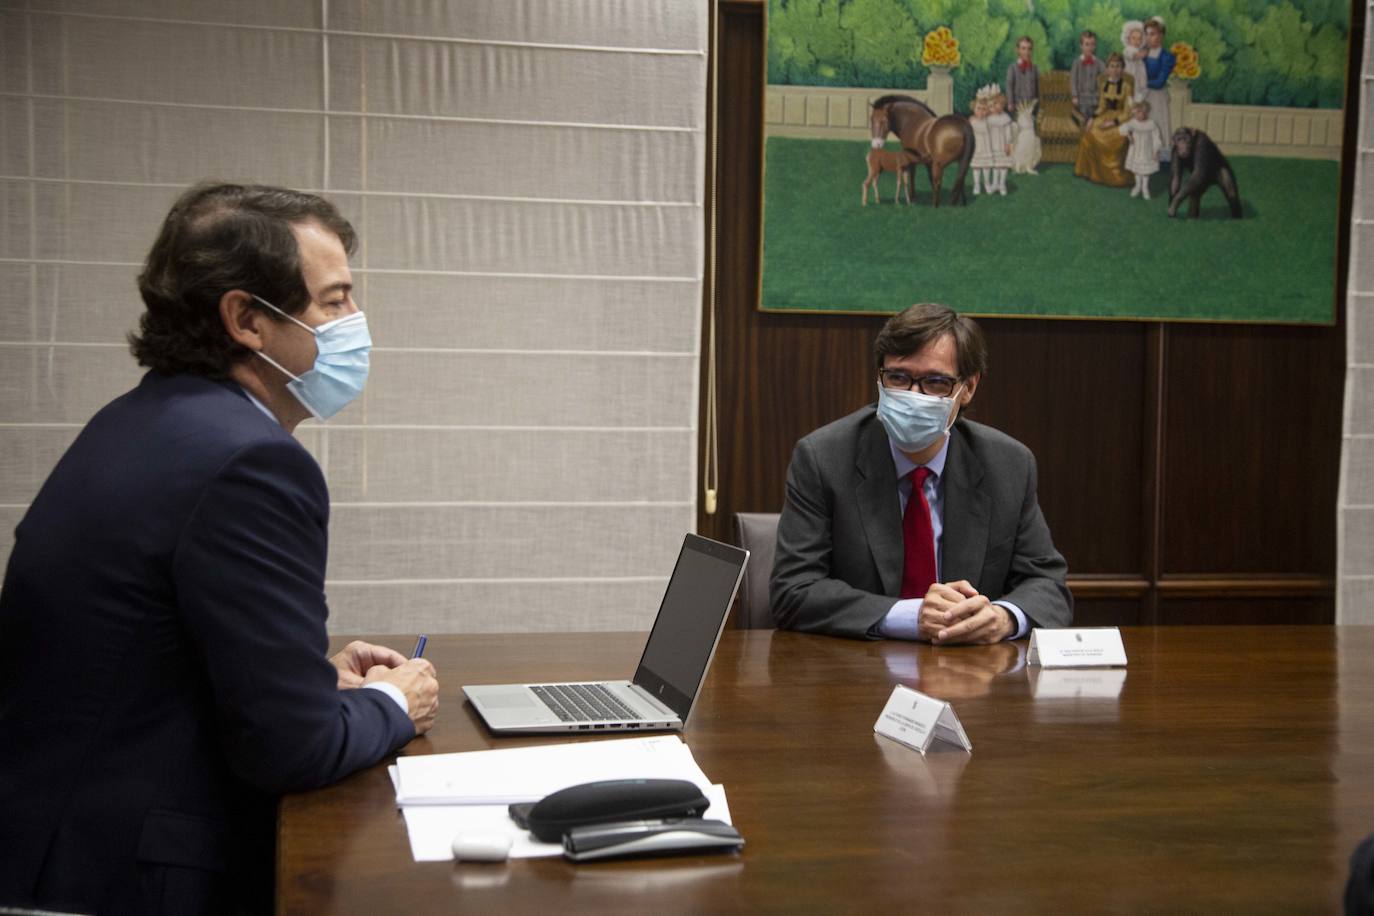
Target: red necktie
[[918, 567]]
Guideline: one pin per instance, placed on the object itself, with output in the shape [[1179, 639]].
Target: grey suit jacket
[[838, 567]]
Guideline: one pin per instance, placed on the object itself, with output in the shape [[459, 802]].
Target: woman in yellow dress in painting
[[1102, 148]]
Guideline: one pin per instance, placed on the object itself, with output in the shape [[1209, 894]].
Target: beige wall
[[527, 180], [1355, 516]]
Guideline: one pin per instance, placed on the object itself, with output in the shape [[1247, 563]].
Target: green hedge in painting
[[1289, 54]]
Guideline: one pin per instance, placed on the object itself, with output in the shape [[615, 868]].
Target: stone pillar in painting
[[940, 91], [1180, 97]]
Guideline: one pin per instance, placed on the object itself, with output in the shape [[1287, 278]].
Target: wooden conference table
[[1226, 769]]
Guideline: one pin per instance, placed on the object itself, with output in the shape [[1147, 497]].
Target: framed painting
[[1055, 158]]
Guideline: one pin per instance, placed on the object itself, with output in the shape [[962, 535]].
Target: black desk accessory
[[608, 801]]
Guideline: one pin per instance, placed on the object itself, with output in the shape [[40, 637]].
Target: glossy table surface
[[1225, 769]]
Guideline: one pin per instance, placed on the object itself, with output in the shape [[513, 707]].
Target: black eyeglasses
[[940, 386]]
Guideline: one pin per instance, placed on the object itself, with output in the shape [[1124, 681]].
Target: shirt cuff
[[392, 691], [903, 621], [1018, 617]]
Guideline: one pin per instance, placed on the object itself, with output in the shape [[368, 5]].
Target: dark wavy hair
[[217, 238], [913, 328]]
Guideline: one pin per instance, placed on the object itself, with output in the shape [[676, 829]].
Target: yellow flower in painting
[[1186, 65], [940, 49]]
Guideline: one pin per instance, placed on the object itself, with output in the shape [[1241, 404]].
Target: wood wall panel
[[1252, 432], [1058, 386], [1099, 613], [1178, 462], [1248, 611]]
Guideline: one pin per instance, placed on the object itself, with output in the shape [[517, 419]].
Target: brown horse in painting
[[934, 140]]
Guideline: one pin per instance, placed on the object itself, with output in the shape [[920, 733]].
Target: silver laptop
[[671, 670]]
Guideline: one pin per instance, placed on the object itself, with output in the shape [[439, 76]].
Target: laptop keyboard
[[583, 702]]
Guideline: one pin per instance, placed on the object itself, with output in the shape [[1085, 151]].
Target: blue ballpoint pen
[[420, 646]]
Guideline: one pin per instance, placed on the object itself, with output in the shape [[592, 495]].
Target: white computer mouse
[[481, 847]]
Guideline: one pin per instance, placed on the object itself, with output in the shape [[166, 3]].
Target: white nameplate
[[917, 721], [1078, 647]]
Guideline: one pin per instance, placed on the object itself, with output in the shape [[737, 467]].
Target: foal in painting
[[936, 140], [881, 160]]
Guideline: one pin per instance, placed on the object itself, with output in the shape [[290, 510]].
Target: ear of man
[[243, 320]]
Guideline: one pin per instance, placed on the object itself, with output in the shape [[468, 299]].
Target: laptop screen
[[689, 621]]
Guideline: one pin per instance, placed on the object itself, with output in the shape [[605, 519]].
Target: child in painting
[[1023, 79], [999, 136], [1083, 74], [981, 163], [1133, 52], [1142, 160]]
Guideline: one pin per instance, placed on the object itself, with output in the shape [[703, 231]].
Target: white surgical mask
[[915, 421], [342, 348]]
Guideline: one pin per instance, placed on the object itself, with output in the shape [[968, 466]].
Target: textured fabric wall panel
[[1355, 604], [1362, 261], [674, 24], [9, 517], [535, 161], [1359, 398], [14, 136], [1363, 205], [345, 156], [1356, 557], [527, 181], [503, 465], [89, 222], [528, 389], [73, 303], [1360, 327], [14, 51], [298, 13], [174, 145], [16, 225], [1355, 514], [504, 542], [529, 237], [165, 62], [1359, 467], [27, 456], [18, 318], [497, 607], [503, 82], [518, 313], [61, 383]]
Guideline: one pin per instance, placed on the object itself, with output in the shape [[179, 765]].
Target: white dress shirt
[[903, 620]]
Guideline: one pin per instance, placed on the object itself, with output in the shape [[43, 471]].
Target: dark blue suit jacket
[[165, 679]]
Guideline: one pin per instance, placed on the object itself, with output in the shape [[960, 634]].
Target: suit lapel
[[876, 496], [964, 542]]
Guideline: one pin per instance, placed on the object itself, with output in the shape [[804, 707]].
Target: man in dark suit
[[901, 522], [163, 610]]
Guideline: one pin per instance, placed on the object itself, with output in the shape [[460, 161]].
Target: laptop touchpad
[[515, 698]]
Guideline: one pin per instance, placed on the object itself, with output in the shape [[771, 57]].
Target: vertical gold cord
[[711, 473]]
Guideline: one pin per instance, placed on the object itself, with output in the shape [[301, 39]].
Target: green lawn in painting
[[1055, 245]]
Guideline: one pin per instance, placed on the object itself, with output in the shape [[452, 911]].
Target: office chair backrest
[[756, 532]]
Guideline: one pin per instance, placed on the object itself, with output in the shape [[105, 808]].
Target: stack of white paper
[[443, 795], [527, 774]]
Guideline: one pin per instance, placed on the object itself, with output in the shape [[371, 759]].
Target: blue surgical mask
[[341, 361], [915, 421]]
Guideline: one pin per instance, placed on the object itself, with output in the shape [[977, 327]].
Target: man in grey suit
[[900, 522]]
